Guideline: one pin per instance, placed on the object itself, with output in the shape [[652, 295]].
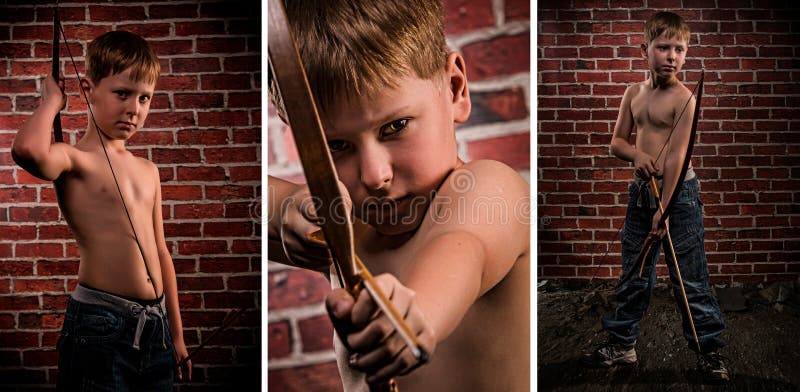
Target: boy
[[654, 106], [440, 235], [116, 333]]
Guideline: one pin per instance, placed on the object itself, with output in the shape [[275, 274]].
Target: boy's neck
[[112, 145], [662, 83]]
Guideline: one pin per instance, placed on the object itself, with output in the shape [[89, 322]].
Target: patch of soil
[[762, 333]]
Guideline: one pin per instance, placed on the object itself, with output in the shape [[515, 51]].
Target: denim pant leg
[[686, 229], [633, 296], [158, 363], [95, 352], [89, 350]]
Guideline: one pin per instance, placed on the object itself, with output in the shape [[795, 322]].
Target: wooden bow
[[650, 240], [286, 69], [57, 134]]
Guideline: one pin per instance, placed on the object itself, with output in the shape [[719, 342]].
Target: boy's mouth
[[126, 124]]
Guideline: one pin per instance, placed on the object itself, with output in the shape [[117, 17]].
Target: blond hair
[[116, 51], [668, 22], [353, 48]]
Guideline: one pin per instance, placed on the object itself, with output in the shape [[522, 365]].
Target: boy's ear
[[456, 71], [643, 48], [87, 86]]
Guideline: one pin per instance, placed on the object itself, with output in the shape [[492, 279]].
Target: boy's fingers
[[364, 309], [339, 304], [188, 370]]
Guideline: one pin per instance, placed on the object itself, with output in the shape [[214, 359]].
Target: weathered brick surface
[[202, 133], [494, 38], [745, 155]]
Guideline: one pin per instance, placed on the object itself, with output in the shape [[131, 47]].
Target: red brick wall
[[494, 38], [203, 133], [747, 148]]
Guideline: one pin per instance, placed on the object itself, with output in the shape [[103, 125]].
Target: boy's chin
[[395, 228]]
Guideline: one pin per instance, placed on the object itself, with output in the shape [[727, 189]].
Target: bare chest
[[92, 194], [653, 110]]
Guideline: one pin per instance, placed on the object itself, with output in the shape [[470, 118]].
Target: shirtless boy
[[653, 107], [115, 334], [444, 238]]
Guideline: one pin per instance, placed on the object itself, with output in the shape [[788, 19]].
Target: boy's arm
[[466, 255], [644, 164], [32, 149], [169, 281], [463, 257]]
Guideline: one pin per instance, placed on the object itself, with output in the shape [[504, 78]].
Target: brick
[[321, 377], [203, 136], [462, 15], [228, 300], [230, 154], [172, 119], [61, 267], [38, 285], [221, 45], [201, 173], [204, 27], [316, 333], [496, 57], [202, 247], [178, 11], [512, 150], [227, 229], [223, 118], [223, 264], [193, 101], [293, 288]]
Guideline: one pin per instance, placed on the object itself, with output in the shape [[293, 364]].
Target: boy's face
[[394, 148], [119, 105], [665, 56]]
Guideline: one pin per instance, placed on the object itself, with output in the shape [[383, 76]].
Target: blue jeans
[[95, 352], [633, 296]]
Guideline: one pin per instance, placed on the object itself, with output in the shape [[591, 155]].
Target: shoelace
[[713, 360]]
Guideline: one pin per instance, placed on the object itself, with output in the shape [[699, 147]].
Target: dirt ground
[[763, 336]]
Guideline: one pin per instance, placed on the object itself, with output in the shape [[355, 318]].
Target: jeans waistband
[[652, 202], [124, 306]]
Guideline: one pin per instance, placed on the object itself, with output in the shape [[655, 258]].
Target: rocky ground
[[763, 335]]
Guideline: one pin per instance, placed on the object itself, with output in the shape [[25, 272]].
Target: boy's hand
[[180, 353], [645, 165], [298, 221], [53, 93], [657, 230], [376, 348]]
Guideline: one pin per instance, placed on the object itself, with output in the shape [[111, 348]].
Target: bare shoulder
[[485, 177], [150, 168], [487, 199], [636, 88]]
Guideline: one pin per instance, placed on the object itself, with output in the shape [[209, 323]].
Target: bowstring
[[641, 188], [108, 159]]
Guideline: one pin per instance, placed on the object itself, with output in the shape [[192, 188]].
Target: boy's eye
[[394, 127], [144, 98], [121, 93], [337, 145]]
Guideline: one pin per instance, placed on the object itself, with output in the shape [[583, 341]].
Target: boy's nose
[[376, 169], [133, 107]]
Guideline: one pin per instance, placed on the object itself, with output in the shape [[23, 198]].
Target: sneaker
[[712, 366], [609, 354]]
